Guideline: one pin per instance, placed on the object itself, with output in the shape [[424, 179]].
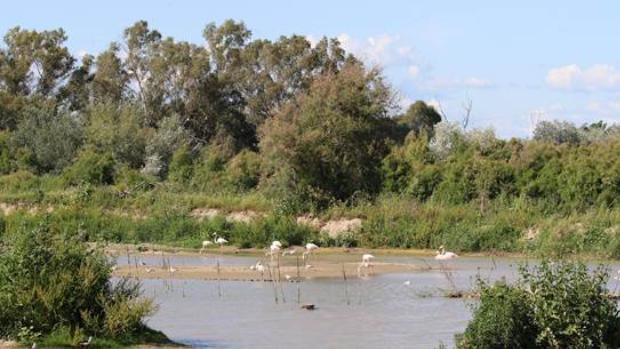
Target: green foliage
[[243, 171], [117, 130], [502, 320], [420, 118], [50, 139], [331, 139], [90, 167], [554, 305], [181, 165], [50, 280]]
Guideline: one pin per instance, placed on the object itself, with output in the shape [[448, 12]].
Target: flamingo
[[442, 254], [274, 249], [289, 252], [276, 243], [366, 258], [221, 241], [259, 267], [309, 248], [205, 245]]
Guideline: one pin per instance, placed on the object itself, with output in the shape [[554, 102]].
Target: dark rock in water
[[308, 306]]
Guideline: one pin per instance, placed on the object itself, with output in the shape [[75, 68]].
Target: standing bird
[[366, 258], [274, 249], [443, 255], [276, 243], [309, 248], [289, 252], [205, 245], [221, 241]]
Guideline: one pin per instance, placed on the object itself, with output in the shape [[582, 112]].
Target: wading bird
[[366, 258], [205, 245], [289, 252], [276, 243], [442, 254], [274, 249], [310, 247]]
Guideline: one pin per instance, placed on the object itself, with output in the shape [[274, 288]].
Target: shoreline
[[285, 273]]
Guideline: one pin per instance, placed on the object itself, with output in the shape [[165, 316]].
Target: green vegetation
[[554, 305], [56, 290], [126, 148]]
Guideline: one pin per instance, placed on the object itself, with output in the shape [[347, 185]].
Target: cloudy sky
[[517, 63]]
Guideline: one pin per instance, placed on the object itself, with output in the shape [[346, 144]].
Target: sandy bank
[[285, 272]]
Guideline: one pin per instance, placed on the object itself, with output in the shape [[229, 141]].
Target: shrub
[[553, 305], [50, 280], [49, 140], [91, 167]]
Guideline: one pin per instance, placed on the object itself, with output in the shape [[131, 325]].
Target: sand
[[288, 272]]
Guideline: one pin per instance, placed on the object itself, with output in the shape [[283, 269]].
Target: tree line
[[307, 124]]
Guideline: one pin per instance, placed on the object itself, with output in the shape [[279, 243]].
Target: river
[[382, 311]]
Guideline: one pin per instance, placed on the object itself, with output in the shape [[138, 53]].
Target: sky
[[517, 63]]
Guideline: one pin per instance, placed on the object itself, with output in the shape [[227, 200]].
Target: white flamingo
[[274, 249], [366, 259], [221, 241], [310, 247], [259, 267], [289, 252], [276, 243], [443, 255], [205, 245]]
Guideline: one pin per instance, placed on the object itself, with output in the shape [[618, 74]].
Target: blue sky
[[517, 63]]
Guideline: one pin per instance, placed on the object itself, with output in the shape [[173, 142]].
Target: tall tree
[[331, 140]]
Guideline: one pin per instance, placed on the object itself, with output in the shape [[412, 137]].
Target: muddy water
[[383, 311]]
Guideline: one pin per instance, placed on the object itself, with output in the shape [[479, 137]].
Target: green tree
[[51, 138], [332, 139], [419, 118]]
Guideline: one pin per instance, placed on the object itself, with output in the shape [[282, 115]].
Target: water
[[378, 312]]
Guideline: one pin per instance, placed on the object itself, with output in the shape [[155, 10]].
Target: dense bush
[[91, 167], [49, 139], [553, 305], [50, 281]]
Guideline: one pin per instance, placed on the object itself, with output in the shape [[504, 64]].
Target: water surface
[[377, 312]]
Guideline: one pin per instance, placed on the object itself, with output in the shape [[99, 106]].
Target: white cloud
[[381, 49], [595, 77], [413, 71]]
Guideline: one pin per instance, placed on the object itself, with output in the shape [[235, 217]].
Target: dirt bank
[[288, 271]]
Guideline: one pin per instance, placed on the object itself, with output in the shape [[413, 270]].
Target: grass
[[62, 338], [163, 215]]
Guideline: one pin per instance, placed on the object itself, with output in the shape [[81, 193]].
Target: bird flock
[[276, 250]]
